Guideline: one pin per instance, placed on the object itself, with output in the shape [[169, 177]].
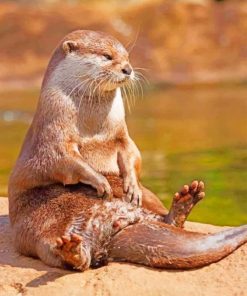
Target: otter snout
[[127, 70]]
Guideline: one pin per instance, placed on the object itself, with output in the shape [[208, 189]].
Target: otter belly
[[102, 158]]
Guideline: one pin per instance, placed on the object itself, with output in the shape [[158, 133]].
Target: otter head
[[92, 60]]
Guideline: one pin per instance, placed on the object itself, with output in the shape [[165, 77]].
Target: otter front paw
[[132, 191], [103, 187]]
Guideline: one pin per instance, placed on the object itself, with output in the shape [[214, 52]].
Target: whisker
[[135, 40], [142, 76], [130, 92], [79, 107], [126, 98], [143, 69]]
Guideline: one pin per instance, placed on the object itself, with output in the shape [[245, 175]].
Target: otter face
[[97, 59]]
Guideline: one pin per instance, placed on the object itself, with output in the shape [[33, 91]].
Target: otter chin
[[113, 85]]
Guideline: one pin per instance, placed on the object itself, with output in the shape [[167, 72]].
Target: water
[[183, 134]]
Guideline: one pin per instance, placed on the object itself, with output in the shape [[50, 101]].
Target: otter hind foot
[[183, 202], [72, 252]]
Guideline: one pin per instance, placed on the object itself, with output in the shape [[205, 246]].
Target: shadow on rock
[[9, 257]]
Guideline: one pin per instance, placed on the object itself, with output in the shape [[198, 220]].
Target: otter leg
[[72, 251], [183, 202], [152, 203]]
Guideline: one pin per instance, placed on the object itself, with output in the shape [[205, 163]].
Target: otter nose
[[127, 69]]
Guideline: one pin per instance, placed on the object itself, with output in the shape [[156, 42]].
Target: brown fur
[[79, 136], [66, 146], [107, 231]]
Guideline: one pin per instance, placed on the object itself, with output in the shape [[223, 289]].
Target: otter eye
[[108, 57]]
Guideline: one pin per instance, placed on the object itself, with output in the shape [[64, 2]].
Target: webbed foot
[[183, 202], [70, 249]]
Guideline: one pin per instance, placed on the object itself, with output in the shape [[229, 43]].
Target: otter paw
[[133, 193], [103, 187], [184, 201], [69, 248], [189, 195]]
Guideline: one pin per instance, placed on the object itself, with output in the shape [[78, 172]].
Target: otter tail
[[158, 245]]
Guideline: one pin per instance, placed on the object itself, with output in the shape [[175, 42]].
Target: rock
[[20, 275]]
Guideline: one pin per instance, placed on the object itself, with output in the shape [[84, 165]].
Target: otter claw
[[107, 195], [134, 196]]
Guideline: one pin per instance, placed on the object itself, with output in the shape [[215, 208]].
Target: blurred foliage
[[181, 42], [183, 134]]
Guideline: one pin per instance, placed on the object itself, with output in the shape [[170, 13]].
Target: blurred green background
[[191, 122]]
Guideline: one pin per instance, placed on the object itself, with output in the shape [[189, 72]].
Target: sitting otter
[[77, 150]]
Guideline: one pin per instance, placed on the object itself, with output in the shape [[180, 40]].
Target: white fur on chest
[[101, 160], [117, 111]]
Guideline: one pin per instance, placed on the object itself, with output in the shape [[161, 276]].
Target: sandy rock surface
[[20, 275]]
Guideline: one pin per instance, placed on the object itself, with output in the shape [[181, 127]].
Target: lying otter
[[79, 136], [71, 227]]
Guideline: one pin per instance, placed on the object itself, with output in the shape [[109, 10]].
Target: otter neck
[[99, 113]]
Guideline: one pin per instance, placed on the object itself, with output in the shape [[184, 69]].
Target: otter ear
[[70, 46]]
